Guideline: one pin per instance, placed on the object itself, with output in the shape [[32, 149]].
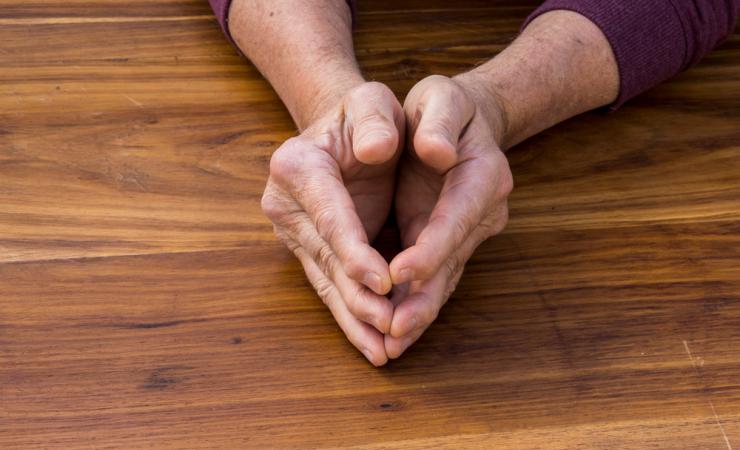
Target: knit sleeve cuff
[[647, 39]]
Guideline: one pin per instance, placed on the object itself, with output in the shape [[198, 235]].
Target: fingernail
[[414, 322], [367, 354], [373, 281]]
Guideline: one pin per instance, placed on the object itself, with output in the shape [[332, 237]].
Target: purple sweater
[[652, 40]]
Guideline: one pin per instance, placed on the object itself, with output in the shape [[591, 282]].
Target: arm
[[304, 48], [572, 56], [330, 188], [560, 66], [576, 55]]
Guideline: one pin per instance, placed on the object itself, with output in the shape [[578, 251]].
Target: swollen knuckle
[[428, 316], [271, 206], [284, 163], [506, 183]]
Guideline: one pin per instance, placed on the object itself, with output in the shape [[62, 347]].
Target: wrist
[[489, 104], [317, 102]]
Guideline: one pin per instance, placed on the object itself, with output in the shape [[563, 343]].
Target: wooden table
[[144, 301]]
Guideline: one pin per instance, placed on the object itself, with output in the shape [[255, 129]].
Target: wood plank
[[145, 303]]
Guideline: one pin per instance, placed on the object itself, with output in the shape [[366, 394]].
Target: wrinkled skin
[[330, 191], [453, 185]]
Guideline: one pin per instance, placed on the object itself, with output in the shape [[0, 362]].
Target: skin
[[331, 188]]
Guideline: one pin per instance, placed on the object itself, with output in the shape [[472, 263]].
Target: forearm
[[560, 66], [303, 48]]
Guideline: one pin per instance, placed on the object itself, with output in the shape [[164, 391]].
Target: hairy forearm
[[303, 48], [560, 66]]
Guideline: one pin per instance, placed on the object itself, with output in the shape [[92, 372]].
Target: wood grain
[[145, 303]]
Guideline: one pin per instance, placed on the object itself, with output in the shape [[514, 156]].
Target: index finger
[[314, 180], [468, 196]]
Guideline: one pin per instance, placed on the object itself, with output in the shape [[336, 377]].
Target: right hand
[[328, 195]]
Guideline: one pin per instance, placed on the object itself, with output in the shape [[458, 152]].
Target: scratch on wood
[[711, 403], [138, 104]]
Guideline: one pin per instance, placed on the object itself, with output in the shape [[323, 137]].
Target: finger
[[364, 337], [363, 303], [443, 111], [468, 196], [375, 118], [396, 346], [314, 180], [422, 305]]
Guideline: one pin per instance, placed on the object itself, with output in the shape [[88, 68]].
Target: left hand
[[452, 194]]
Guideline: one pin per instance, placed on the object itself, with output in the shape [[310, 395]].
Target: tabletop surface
[[144, 302]]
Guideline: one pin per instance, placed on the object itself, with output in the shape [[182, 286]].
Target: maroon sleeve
[[221, 11], [654, 40]]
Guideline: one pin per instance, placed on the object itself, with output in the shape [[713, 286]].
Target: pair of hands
[[331, 189]]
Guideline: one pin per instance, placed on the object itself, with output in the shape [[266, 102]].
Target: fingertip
[[372, 309], [391, 347], [364, 264], [376, 146], [402, 326], [399, 269], [403, 274], [377, 358], [410, 265], [380, 284], [435, 150], [384, 318], [395, 347]]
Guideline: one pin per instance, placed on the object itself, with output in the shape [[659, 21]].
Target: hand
[[329, 193], [453, 185]]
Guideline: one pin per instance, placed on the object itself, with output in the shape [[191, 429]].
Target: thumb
[[375, 118], [443, 111]]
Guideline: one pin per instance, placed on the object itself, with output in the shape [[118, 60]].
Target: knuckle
[[358, 308], [374, 120], [458, 226], [506, 183], [285, 239], [324, 257], [270, 207], [450, 289], [496, 222], [452, 266], [323, 288], [452, 282], [285, 161], [352, 267], [436, 78], [439, 125], [428, 316], [325, 221], [373, 90]]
